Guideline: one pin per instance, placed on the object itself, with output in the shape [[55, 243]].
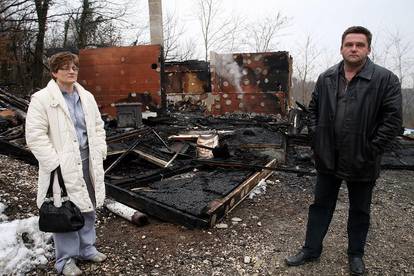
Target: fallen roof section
[[189, 192]]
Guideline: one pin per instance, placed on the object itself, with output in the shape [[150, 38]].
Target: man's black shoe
[[356, 265], [300, 259]]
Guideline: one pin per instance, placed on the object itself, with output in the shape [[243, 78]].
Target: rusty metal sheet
[[191, 77], [173, 82], [193, 84], [122, 74], [250, 82], [266, 103]]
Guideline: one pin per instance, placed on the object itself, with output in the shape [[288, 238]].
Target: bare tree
[[377, 55], [66, 31], [84, 24], [327, 59], [187, 50], [17, 32], [93, 24], [172, 34], [408, 107], [136, 23], [217, 32], [14, 17], [14, 13], [304, 65], [174, 46], [412, 79], [262, 34], [141, 32], [400, 54], [29, 24], [42, 8], [29, 20]]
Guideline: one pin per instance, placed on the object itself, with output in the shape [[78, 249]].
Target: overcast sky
[[323, 20]]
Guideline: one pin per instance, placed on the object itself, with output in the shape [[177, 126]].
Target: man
[[355, 113]]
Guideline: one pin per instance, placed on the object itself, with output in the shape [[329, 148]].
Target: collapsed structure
[[171, 118], [190, 192], [245, 82]]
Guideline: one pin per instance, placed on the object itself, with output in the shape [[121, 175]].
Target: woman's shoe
[[70, 268], [98, 258]]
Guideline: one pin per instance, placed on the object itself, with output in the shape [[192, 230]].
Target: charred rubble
[[157, 165]]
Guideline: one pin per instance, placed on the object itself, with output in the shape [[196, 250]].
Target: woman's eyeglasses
[[67, 68]]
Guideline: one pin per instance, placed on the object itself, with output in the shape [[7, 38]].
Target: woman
[[64, 128]]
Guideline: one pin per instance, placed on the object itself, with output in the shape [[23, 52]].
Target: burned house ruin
[[188, 141]]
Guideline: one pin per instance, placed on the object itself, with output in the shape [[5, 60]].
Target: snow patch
[[23, 246], [259, 189], [3, 207]]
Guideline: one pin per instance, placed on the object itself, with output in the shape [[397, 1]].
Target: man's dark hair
[[358, 30]]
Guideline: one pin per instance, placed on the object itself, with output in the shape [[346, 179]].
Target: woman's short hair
[[57, 61]]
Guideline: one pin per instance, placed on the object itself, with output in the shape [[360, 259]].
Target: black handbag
[[66, 218]]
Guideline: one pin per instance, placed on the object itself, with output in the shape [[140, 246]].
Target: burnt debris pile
[[161, 174], [188, 167]]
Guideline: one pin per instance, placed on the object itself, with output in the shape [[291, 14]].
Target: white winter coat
[[51, 136]]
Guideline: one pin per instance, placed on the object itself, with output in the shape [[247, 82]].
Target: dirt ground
[[272, 226]]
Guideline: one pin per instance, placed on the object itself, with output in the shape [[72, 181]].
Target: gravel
[[260, 232]]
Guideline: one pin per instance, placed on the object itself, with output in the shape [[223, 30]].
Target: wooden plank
[[133, 182], [18, 152], [257, 146], [218, 208], [154, 208], [154, 160], [196, 133]]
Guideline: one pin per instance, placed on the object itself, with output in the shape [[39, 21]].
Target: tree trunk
[[65, 33], [42, 7], [21, 72], [83, 24]]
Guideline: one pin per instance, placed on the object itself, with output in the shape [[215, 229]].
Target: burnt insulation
[[191, 192]]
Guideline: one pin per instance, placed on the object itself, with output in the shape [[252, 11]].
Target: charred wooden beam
[[14, 101], [155, 208], [218, 208], [141, 180], [13, 133], [144, 155], [195, 134], [17, 152], [299, 139], [128, 135], [230, 164], [152, 159]]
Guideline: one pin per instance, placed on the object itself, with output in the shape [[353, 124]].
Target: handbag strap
[[61, 183]]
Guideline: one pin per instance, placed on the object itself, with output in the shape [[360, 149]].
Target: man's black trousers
[[321, 211]]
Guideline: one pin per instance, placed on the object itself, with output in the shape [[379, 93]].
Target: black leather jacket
[[373, 118]]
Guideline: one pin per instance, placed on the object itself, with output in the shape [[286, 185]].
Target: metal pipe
[[123, 155], [134, 216], [162, 140]]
